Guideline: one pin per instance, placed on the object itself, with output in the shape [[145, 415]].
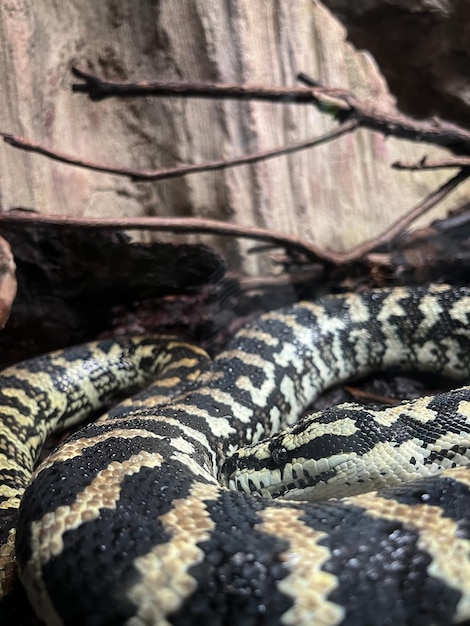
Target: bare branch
[[430, 164], [340, 102], [180, 170], [165, 224], [403, 222], [203, 226], [98, 89]]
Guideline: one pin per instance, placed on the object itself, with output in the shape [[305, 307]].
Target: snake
[[214, 495]]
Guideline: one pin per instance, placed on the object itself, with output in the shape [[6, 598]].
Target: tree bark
[[335, 196]]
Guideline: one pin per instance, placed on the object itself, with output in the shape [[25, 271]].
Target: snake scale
[[157, 514]]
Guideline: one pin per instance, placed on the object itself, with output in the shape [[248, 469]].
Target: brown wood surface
[[336, 195]]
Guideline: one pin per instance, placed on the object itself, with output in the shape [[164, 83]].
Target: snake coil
[[152, 514]]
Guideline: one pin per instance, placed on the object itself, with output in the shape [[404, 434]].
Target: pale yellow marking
[[258, 395], [446, 441], [436, 288], [438, 537], [358, 310], [392, 307], [218, 424], [194, 376], [361, 340], [41, 380], [194, 466], [310, 336], [102, 493], [47, 533], [194, 366], [286, 318], [8, 463], [250, 358], [464, 407], [275, 417], [307, 585], [14, 497], [427, 356], [461, 474], [74, 372], [258, 335], [325, 323], [165, 582], [416, 409], [460, 310], [343, 426], [195, 349], [192, 433], [188, 361], [75, 448], [168, 382], [287, 390], [26, 429], [431, 308], [134, 405], [289, 355], [25, 399], [308, 384]]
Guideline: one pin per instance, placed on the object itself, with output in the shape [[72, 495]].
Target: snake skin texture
[[154, 514]]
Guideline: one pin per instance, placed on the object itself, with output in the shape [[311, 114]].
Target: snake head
[[316, 459], [272, 470]]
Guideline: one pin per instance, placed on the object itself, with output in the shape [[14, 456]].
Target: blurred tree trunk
[[336, 195]]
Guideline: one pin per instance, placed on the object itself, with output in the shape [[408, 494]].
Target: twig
[[403, 222], [429, 164], [352, 113], [180, 170], [370, 396], [435, 131], [203, 226], [98, 89], [337, 100], [172, 224]]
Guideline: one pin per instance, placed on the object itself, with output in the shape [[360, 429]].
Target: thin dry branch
[[430, 164], [347, 108], [99, 89], [203, 226], [169, 224], [369, 396], [400, 225], [180, 170], [338, 101], [342, 103]]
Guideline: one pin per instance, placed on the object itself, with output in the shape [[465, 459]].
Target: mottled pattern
[[131, 521]]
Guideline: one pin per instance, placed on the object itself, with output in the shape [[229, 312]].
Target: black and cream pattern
[[142, 517]]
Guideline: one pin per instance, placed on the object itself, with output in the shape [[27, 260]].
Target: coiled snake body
[[128, 523]]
